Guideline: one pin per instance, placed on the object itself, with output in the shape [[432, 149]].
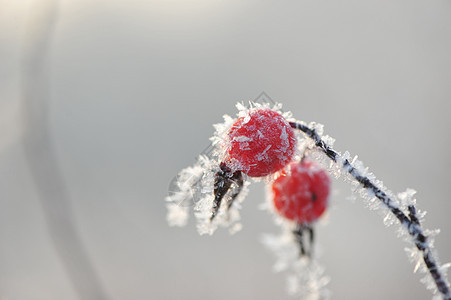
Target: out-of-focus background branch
[[42, 159], [130, 91]]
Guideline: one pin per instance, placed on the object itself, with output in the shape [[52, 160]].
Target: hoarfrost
[[399, 207], [406, 198], [305, 276], [177, 215], [229, 219], [263, 155], [182, 191], [389, 219], [242, 138]]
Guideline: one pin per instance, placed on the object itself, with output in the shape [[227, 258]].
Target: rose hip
[[302, 195], [260, 143]]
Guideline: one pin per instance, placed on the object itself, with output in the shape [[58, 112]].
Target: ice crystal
[[177, 215], [306, 278]]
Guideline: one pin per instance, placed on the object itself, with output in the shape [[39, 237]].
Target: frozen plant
[[260, 143]]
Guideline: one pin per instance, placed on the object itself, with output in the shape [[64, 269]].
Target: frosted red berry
[[260, 143], [302, 195]]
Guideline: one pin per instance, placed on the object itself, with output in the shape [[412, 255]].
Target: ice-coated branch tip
[[410, 222]]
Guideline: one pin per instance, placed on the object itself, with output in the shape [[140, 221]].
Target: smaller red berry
[[260, 143], [302, 195]]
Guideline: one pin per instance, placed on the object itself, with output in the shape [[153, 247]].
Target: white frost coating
[[266, 149], [305, 276], [177, 215], [229, 219], [263, 155], [242, 138], [181, 193], [285, 142], [389, 219], [406, 198]]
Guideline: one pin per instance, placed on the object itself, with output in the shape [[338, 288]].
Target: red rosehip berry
[[302, 196], [260, 143]]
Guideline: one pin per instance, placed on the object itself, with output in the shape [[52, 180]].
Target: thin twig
[[412, 224]]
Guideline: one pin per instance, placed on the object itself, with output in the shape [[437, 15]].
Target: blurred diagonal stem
[[410, 222], [40, 154]]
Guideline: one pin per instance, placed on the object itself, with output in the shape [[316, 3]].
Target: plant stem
[[411, 222]]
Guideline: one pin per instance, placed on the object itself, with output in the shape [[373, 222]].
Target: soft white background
[[135, 88]]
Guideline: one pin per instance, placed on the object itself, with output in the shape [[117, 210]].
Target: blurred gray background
[[135, 87]]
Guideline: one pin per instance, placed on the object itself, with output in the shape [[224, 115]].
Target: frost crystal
[[177, 215], [406, 198], [306, 278]]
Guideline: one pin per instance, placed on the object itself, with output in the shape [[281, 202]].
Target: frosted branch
[[410, 222]]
